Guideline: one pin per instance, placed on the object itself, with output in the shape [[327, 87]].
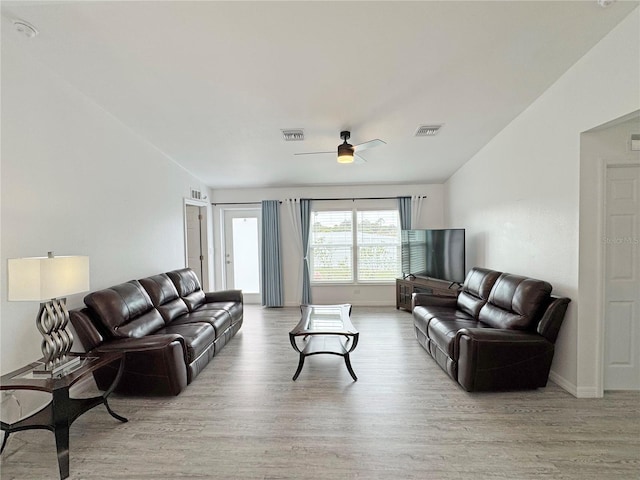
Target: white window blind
[[331, 247], [373, 234], [378, 242]]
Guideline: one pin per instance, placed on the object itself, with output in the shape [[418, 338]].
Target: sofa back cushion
[[125, 310], [188, 286], [516, 302], [476, 289], [164, 296]]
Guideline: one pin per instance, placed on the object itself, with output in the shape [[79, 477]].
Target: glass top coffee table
[[325, 329]]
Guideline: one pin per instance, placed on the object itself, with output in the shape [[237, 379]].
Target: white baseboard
[[588, 392], [563, 383], [380, 303], [576, 391]]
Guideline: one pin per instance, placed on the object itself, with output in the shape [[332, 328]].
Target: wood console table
[[405, 287]]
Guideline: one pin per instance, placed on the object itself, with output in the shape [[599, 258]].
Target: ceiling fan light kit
[[345, 150]]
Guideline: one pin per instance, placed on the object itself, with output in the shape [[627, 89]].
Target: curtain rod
[[318, 199]]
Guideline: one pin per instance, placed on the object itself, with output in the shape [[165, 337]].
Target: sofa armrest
[[149, 342], [432, 300], [224, 296], [154, 365], [551, 321], [499, 359], [85, 328]]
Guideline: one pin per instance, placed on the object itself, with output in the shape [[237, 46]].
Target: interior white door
[[622, 278], [195, 255], [242, 252]]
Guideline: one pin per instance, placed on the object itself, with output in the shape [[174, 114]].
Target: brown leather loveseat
[[497, 334], [167, 326]]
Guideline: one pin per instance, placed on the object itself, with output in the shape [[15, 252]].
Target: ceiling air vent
[[427, 130], [296, 135]]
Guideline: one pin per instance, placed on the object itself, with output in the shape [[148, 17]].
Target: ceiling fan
[[348, 153]]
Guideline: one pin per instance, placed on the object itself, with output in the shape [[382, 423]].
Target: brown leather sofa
[[167, 326], [497, 334]]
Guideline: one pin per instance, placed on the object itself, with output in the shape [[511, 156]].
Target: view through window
[[355, 246]]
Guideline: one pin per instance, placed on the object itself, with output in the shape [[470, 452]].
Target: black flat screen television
[[434, 253]]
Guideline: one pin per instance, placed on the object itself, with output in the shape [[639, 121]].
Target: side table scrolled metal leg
[[111, 388]]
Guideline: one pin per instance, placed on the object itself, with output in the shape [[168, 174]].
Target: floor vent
[[293, 135], [427, 130]]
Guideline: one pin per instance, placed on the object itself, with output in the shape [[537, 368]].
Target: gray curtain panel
[[404, 208], [305, 214], [271, 271]]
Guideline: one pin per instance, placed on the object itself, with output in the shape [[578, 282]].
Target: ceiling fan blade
[[358, 160], [370, 144], [314, 153]]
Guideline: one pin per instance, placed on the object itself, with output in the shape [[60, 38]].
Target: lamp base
[[66, 365], [52, 322]]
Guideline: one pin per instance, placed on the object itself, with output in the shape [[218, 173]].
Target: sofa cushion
[[515, 302], [198, 337], [194, 300], [188, 287], [125, 310], [234, 309], [475, 290], [442, 332], [423, 315], [164, 296], [220, 320]]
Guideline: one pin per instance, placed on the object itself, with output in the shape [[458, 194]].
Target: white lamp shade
[[43, 278]]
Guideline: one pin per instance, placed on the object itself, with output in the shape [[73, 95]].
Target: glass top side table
[[61, 411]]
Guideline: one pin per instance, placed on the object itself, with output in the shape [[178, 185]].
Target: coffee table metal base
[[324, 329], [316, 345]]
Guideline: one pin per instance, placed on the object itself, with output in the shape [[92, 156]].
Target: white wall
[[598, 148], [77, 181], [431, 217], [519, 197]]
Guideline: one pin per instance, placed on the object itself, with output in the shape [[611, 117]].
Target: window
[[350, 246], [379, 256], [331, 247]]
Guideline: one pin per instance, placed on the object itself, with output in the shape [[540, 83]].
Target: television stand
[[406, 287]]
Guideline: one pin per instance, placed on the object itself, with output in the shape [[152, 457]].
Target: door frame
[[206, 238], [601, 266], [223, 245]]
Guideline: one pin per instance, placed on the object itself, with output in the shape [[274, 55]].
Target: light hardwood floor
[[244, 418]]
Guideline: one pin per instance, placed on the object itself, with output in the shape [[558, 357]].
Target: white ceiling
[[211, 84]]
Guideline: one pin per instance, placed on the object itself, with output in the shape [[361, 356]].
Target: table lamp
[[48, 280]]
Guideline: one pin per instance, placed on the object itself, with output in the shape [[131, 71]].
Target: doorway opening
[[608, 331], [197, 240]]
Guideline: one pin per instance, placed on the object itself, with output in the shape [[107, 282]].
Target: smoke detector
[[25, 28], [605, 3]]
